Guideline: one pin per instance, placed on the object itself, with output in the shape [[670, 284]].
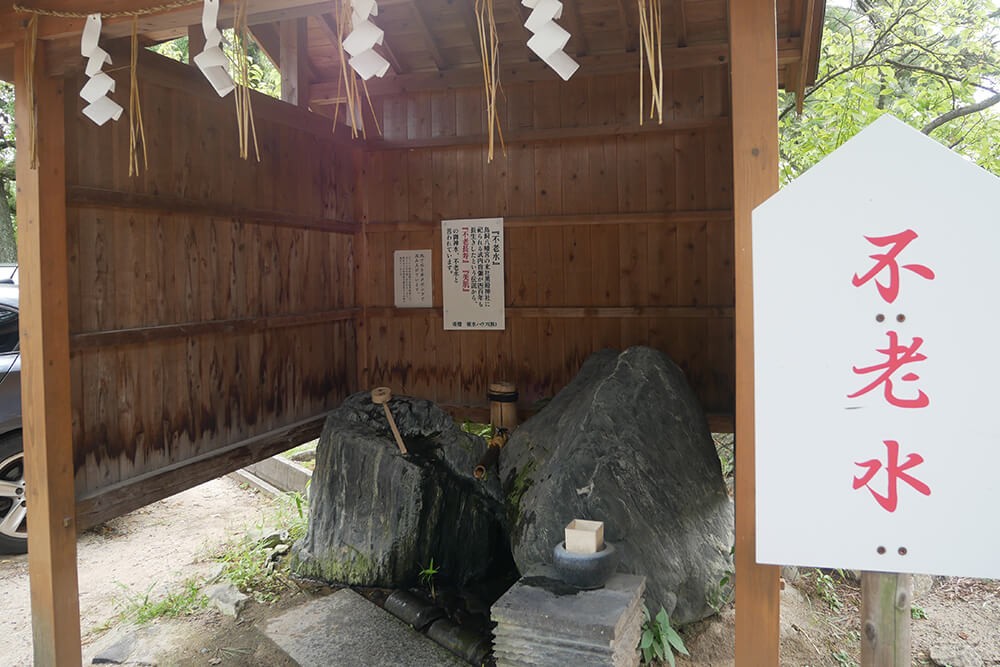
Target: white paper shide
[[360, 44], [100, 108], [549, 38], [212, 61], [472, 274], [413, 287]]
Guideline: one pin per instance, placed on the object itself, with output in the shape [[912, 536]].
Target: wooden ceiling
[[435, 42]]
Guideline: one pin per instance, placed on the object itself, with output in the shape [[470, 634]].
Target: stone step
[[346, 629]]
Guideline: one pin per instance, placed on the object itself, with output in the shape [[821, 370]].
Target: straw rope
[[136, 131], [489, 47], [244, 109], [30, 49], [145, 11], [651, 57]]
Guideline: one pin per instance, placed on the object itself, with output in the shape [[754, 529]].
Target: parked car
[[13, 505]]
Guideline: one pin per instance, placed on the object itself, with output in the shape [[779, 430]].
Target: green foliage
[[482, 430], [263, 76], [826, 589], [917, 613], [256, 567], [141, 609], [723, 592], [427, 576], [659, 640], [931, 63], [844, 659]]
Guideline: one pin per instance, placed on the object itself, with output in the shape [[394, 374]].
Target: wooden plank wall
[[211, 298], [615, 235]]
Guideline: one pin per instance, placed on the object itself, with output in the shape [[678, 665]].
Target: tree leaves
[[935, 64]]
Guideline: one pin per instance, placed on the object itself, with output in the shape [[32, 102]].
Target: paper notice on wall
[[413, 285], [472, 274]]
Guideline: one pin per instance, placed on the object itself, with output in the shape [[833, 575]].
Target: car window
[[8, 330]]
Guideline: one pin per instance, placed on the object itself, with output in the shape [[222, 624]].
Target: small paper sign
[[413, 285], [472, 274]]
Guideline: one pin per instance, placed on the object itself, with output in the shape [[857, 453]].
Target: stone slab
[[549, 607], [346, 629]]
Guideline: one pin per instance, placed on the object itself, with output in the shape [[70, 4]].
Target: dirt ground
[[156, 549]]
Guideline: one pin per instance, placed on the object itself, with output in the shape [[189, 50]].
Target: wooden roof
[[435, 42]]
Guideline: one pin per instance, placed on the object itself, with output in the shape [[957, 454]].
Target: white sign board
[[472, 274], [413, 286], [876, 387]]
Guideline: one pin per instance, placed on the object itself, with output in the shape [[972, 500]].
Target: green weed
[[659, 640], [826, 589], [427, 576], [140, 609], [258, 568], [917, 613]]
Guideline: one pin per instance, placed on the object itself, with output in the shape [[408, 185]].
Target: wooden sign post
[[875, 373], [885, 619]]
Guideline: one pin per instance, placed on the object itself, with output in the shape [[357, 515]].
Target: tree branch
[[959, 112]]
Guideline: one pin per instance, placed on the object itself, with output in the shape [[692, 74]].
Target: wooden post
[[754, 84], [293, 62], [45, 376], [196, 42], [885, 619]]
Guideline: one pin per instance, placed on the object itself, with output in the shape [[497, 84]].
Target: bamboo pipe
[[381, 396], [492, 455]]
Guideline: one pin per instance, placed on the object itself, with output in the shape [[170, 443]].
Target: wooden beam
[[754, 76], [629, 37], [142, 335], [196, 42], [681, 18], [259, 11], [578, 220], [99, 198], [294, 69], [268, 38], [45, 374], [691, 57], [571, 12], [104, 504], [553, 134], [575, 312], [429, 40], [802, 73]]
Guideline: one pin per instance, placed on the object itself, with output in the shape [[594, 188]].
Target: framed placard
[[472, 274]]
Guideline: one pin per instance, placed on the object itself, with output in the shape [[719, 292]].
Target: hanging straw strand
[[137, 133], [30, 49]]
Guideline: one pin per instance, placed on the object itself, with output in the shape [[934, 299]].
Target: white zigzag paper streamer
[[100, 108], [549, 38], [212, 62], [360, 44]]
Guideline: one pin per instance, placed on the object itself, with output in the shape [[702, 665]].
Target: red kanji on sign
[[887, 260], [898, 355], [896, 473]]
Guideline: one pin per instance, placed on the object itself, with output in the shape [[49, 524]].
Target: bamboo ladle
[[381, 396]]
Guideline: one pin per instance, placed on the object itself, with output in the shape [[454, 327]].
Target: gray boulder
[[377, 517], [626, 442]]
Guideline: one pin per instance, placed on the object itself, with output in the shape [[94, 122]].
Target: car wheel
[[13, 504]]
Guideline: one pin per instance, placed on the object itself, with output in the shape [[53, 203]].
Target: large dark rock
[[626, 443], [376, 517]]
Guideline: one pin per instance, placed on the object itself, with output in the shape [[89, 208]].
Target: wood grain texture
[[216, 298], [616, 234], [46, 386], [755, 169]]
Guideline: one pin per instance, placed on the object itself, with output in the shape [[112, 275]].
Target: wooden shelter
[[206, 314]]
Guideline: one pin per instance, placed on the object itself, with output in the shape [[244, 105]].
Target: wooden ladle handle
[[381, 396]]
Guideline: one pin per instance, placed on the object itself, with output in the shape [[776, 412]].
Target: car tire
[[13, 521]]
